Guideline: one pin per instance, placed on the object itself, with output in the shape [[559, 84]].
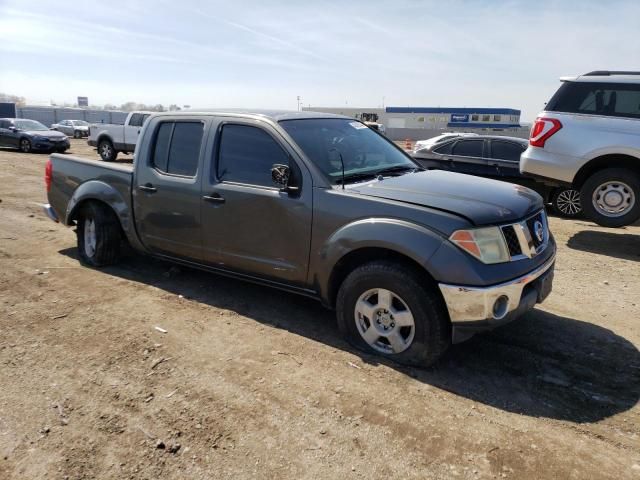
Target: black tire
[[108, 235], [106, 150], [566, 202], [622, 179], [77, 134], [432, 336], [25, 145]]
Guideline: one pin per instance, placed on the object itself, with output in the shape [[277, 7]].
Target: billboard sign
[[83, 101], [459, 117]]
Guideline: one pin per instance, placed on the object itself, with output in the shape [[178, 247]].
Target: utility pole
[[298, 102]]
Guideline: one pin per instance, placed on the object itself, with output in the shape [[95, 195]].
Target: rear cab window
[[176, 148], [597, 98]]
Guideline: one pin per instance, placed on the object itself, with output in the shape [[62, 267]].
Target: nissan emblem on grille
[[539, 230]]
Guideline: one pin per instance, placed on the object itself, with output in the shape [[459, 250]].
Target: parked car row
[[583, 153], [492, 156], [29, 135]]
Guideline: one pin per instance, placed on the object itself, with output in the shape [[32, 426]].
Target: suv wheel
[[566, 202], [106, 151], [99, 235], [77, 134], [611, 197], [386, 309]]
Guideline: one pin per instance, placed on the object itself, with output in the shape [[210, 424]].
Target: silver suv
[[588, 136]]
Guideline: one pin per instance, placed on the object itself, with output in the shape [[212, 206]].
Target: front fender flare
[[406, 238]]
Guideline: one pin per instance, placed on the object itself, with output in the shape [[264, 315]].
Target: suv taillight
[[542, 130], [48, 174]]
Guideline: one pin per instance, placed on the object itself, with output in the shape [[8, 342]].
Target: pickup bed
[[111, 139], [320, 205]]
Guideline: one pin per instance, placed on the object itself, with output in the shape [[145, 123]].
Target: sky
[[264, 54]]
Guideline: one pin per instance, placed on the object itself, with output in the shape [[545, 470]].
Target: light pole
[[298, 97]]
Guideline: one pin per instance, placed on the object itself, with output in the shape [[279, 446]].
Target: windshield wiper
[[397, 169], [356, 177]]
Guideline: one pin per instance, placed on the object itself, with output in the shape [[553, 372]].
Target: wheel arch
[[605, 161], [104, 136], [368, 240], [102, 193]]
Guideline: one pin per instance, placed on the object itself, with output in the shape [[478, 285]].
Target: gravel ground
[[248, 382]]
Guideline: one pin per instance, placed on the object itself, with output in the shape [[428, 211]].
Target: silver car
[[75, 128]]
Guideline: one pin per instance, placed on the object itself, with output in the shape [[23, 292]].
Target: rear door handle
[[214, 198], [148, 188]]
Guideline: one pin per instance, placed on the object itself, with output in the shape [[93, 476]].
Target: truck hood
[[482, 201]]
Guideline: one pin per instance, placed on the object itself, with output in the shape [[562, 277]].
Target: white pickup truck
[[110, 139]]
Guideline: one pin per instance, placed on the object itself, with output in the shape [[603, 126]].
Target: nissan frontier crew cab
[[319, 205]]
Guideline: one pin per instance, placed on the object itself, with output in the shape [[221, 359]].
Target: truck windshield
[[330, 141], [29, 125]]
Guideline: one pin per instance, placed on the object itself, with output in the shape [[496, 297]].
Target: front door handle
[[214, 198], [148, 188]]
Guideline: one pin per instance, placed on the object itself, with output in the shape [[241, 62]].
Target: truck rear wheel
[[106, 150], [99, 235], [386, 309], [611, 197]]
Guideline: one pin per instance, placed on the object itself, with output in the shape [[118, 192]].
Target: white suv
[[588, 136]]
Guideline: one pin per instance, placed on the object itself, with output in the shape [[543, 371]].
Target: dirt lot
[[253, 383]]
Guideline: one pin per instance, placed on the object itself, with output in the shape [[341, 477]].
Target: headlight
[[486, 244]]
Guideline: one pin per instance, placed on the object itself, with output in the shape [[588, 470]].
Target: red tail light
[[542, 130], [48, 174]]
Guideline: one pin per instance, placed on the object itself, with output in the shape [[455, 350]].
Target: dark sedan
[[497, 157], [29, 135]]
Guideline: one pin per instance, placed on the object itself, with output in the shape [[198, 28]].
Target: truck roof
[[273, 115]]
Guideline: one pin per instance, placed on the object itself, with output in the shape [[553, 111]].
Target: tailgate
[[70, 172]]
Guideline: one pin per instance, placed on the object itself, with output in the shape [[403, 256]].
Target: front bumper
[[473, 309], [48, 145]]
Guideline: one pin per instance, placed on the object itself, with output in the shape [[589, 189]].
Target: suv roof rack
[[606, 73]]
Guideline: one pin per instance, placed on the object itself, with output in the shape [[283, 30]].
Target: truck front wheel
[[106, 150], [611, 197], [386, 309], [99, 235]]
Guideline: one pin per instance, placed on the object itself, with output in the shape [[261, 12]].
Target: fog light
[[500, 307]]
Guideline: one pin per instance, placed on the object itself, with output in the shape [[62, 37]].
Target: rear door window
[[608, 99], [468, 148], [501, 150], [246, 155], [444, 149], [177, 147]]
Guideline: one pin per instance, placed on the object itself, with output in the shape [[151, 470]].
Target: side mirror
[[13, 129], [280, 175]]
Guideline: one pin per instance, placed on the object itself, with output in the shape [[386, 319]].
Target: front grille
[[512, 240], [537, 226]]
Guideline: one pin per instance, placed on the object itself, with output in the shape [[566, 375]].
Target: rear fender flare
[[101, 192]]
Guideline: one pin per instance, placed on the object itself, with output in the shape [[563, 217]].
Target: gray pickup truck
[[319, 205]]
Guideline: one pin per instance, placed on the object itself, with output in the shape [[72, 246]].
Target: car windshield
[[329, 142], [29, 125], [80, 123]]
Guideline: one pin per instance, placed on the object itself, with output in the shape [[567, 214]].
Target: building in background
[[419, 123]]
